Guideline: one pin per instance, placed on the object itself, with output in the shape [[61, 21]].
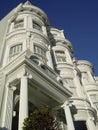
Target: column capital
[[25, 74], [67, 103], [12, 87], [91, 118]]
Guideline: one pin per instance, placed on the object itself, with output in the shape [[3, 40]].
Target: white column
[[11, 27], [23, 104], [91, 78], [25, 22], [4, 106], [28, 40], [49, 58], [62, 34], [79, 87], [90, 124], [44, 30], [68, 57], [2, 82], [69, 119], [9, 108]]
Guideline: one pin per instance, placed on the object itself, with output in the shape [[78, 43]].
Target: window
[[19, 24], [36, 26], [60, 56], [80, 125], [71, 84], [39, 51], [85, 79], [15, 49], [94, 98]]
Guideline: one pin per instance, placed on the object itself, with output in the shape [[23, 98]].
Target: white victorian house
[[38, 67]]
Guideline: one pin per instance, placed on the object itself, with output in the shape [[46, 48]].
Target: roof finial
[[27, 2]]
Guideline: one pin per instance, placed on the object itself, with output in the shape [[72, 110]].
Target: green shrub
[[41, 119]]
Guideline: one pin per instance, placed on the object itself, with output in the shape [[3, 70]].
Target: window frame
[[36, 25], [60, 56], [15, 49], [40, 52], [18, 23]]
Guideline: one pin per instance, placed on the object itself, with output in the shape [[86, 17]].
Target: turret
[[27, 30], [88, 81], [63, 55], [62, 49]]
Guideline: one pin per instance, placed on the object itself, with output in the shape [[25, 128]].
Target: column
[[23, 104], [90, 124], [49, 57], [2, 82], [91, 78], [79, 87], [44, 30], [25, 22], [9, 108], [68, 57], [62, 34], [28, 40], [69, 119], [11, 27], [30, 22]]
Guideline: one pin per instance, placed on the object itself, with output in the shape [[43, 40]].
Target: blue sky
[[78, 19]]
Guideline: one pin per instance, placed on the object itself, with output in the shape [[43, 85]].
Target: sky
[[78, 19]]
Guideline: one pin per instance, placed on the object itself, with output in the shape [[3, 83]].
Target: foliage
[[41, 119]]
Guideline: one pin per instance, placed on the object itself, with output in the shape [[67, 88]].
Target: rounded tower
[[30, 48], [63, 55], [28, 84], [88, 81], [66, 65], [27, 30]]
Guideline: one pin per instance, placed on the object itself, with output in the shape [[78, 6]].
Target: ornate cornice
[[85, 62]]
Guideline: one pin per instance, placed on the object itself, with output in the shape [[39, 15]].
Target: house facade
[[38, 67]]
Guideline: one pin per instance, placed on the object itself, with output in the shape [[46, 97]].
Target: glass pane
[[60, 56], [36, 26], [15, 49], [19, 24]]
